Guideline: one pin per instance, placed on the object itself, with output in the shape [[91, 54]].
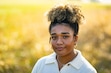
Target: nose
[[59, 41]]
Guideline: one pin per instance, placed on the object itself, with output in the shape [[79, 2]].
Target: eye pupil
[[65, 37], [53, 37]]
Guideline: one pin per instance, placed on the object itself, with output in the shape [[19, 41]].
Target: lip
[[60, 48]]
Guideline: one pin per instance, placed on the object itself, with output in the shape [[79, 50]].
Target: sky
[[105, 1], [2, 2]]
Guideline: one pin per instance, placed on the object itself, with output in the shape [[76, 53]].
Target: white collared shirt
[[48, 64]]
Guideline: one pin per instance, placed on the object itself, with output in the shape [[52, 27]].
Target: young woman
[[63, 29]]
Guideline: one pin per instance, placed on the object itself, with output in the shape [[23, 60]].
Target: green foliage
[[24, 37]]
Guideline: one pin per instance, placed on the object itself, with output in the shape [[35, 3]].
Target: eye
[[65, 37], [53, 37]]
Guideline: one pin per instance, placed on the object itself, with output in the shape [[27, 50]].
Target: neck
[[67, 58]]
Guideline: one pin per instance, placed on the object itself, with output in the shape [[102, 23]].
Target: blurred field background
[[24, 36]]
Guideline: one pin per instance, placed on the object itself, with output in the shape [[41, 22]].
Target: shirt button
[[68, 64]]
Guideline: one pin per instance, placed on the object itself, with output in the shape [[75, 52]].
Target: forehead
[[60, 29]]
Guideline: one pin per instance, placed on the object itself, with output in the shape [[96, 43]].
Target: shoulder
[[47, 58], [85, 64], [87, 67], [41, 62]]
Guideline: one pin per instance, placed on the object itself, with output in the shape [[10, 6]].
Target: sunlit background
[[24, 36]]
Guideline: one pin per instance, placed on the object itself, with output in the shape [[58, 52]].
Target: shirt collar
[[51, 59], [77, 61]]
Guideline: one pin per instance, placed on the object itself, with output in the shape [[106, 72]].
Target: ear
[[49, 39], [75, 38]]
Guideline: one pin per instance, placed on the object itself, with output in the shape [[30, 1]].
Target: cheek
[[53, 44], [69, 43]]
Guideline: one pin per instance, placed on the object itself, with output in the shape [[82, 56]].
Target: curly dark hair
[[69, 14]]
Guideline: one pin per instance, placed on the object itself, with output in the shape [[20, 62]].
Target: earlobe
[[75, 41]]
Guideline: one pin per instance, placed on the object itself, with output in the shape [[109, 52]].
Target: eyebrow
[[61, 33]]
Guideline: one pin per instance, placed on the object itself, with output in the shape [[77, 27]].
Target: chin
[[60, 54]]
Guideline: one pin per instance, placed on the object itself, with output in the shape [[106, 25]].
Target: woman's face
[[62, 39]]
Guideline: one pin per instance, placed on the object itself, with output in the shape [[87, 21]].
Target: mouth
[[60, 48]]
